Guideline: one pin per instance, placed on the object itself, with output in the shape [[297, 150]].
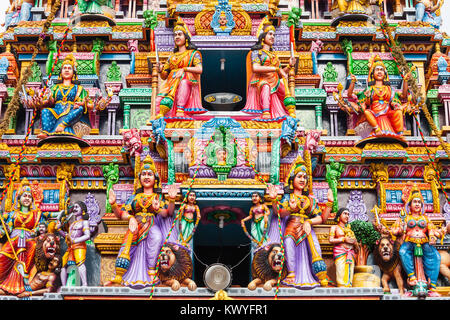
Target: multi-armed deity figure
[[268, 89], [136, 263], [429, 11], [180, 94], [306, 268], [344, 241], [66, 106], [76, 238], [379, 104], [17, 254], [420, 259]]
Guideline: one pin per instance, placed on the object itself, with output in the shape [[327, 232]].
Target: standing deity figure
[[268, 91], [429, 11], [379, 104], [65, 104], [17, 254], [138, 254], [189, 218], [76, 238], [19, 10], [419, 258], [344, 241], [180, 95], [306, 268], [259, 215]]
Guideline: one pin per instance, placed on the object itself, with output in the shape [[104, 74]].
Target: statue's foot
[[60, 128], [42, 136], [116, 281], [432, 293], [324, 282], [412, 281], [290, 279]]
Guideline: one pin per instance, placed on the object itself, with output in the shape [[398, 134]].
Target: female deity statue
[[19, 10], [180, 94], [303, 254], [136, 262], [379, 104], [268, 89], [189, 218], [76, 238], [64, 105], [259, 214], [17, 254], [419, 258], [344, 241]]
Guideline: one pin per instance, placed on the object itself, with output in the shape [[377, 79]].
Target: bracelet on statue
[[172, 199], [114, 206], [329, 204]]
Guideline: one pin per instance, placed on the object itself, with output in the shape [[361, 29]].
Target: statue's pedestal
[[364, 277]]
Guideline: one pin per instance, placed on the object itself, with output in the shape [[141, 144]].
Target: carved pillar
[[63, 9], [380, 176], [126, 116], [292, 81], [318, 109], [333, 108], [112, 113], [430, 176], [154, 91], [444, 98]]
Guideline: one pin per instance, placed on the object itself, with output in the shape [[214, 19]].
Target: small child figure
[[259, 212], [186, 212]]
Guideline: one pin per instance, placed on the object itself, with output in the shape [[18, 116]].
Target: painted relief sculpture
[[136, 262], [19, 10], [429, 11], [180, 95], [334, 172], [17, 254], [222, 21], [259, 215], [306, 268], [344, 241], [76, 236], [420, 259], [378, 105], [66, 105], [268, 92], [189, 218], [266, 266]]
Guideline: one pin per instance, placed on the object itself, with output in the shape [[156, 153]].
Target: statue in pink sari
[[180, 95], [268, 90]]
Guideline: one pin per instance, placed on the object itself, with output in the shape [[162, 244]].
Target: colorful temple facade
[[167, 119]]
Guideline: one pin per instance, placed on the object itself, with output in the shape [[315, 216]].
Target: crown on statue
[[264, 26]]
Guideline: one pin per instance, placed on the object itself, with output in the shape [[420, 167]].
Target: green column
[[126, 116], [170, 163], [435, 113], [318, 109], [275, 162]]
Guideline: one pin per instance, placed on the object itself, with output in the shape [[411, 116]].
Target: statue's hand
[[156, 204], [307, 227], [172, 191], [330, 196], [292, 61], [272, 191], [112, 197], [133, 225]]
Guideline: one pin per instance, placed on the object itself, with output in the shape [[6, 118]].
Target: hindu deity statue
[[76, 237], [379, 104], [189, 218], [180, 94], [65, 105], [344, 241], [17, 254], [268, 93], [19, 10], [136, 262], [350, 6], [419, 258], [429, 11], [259, 215], [306, 268]]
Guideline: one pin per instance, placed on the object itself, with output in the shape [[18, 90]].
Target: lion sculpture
[[387, 258], [176, 268], [47, 260], [266, 266]]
